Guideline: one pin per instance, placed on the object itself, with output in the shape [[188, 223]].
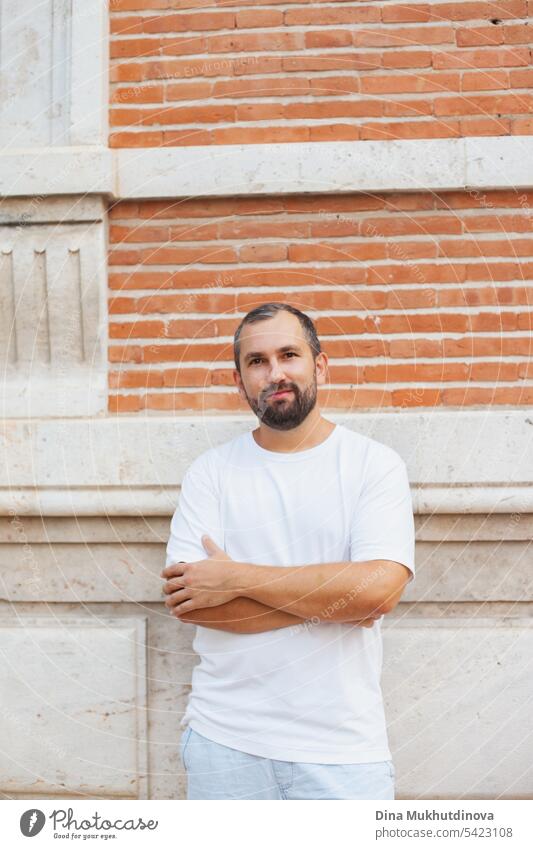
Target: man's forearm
[[245, 616], [338, 592], [241, 616]]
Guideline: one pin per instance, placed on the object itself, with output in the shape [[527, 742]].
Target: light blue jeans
[[218, 772]]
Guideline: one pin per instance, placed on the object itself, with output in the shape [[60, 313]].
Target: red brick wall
[[194, 72], [419, 299]]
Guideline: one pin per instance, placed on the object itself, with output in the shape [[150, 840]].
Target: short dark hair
[[269, 310]]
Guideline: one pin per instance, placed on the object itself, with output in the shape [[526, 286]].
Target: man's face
[[275, 356]]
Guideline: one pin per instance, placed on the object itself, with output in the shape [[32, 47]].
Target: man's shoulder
[[216, 455]]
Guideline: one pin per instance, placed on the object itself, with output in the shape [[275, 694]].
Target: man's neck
[[311, 432]]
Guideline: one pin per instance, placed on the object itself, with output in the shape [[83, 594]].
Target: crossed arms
[[244, 598]]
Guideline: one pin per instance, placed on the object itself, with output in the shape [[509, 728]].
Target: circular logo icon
[[31, 822]]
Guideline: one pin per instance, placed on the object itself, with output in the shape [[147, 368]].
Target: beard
[[288, 412]]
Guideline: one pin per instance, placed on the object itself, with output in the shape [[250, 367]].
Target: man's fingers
[[172, 586], [173, 570], [176, 598]]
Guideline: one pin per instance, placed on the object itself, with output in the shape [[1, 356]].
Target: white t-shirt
[[307, 692]]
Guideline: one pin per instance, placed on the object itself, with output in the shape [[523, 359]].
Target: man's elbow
[[393, 589]]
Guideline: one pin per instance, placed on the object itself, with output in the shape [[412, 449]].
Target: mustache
[[272, 391]]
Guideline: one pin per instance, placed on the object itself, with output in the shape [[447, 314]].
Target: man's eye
[[259, 360]]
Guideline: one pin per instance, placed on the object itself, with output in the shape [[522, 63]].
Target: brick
[[403, 37], [132, 25], [404, 225], [186, 353], [522, 126], [138, 5], [486, 346], [190, 136], [180, 46], [486, 322], [415, 287], [186, 23], [486, 80], [410, 348], [410, 373], [263, 228], [497, 271], [126, 73], [480, 199], [329, 252], [335, 227], [416, 398], [189, 91], [335, 109], [259, 135], [426, 274], [417, 323], [140, 139], [413, 108], [410, 130], [460, 397], [137, 329], [122, 305], [335, 62], [171, 255], [181, 328], [483, 104], [125, 403], [486, 58], [491, 296], [483, 36], [334, 132], [261, 87], [460, 11], [521, 79], [210, 114], [125, 353], [260, 111], [263, 253], [253, 42], [134, 47], [256, 18], [485, 127], [327, 38], [407, 59], [135, 379], [518, 34], [226, 401], [417, 83], [495, 247], [397, 13], [322, 86], [175, 378], [137, 94], [327, 16]]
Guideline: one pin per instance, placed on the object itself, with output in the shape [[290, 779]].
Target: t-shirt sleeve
[[197, 514], [383, 526]]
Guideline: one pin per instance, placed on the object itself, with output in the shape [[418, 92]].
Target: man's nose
[[276, 372]]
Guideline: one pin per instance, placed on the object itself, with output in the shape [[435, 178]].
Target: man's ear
[[238, 382], [321, 366]]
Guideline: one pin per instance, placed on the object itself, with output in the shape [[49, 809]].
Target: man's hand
[[204, 583]]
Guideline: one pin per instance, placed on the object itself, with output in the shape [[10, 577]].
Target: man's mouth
[[281, 393]]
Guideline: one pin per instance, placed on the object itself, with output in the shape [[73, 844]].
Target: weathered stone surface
[[73, 709], [458, 698]]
